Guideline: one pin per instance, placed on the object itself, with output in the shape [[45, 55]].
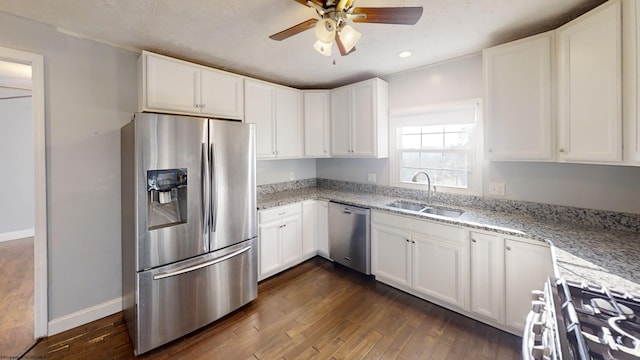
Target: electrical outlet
[[292, 175], [371, 177], [497, 189]]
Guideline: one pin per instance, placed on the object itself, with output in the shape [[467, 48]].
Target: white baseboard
[[15, 235], [84, 316]]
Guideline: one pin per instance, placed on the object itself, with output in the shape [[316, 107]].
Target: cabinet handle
[[508, 248], [413, 242], [285, 225], [561, 150], [408, 240], [197, 105], [203, 106], [490, 150], [473, 240]]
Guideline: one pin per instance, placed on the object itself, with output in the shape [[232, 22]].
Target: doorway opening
[[24, 248]]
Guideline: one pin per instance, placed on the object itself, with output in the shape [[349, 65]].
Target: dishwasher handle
[[350, 209]]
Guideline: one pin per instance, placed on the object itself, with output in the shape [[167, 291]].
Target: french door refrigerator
[[189, 250]]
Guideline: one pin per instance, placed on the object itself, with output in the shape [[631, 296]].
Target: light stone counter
[[586, 247]]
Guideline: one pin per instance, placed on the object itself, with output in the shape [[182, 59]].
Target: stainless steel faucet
[[415, 180]]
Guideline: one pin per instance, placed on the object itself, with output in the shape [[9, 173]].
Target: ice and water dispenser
[[166, 197]]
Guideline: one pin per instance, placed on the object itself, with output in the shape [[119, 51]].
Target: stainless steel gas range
[[570, 320]]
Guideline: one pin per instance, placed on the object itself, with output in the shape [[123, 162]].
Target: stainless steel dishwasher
[[350, 236]]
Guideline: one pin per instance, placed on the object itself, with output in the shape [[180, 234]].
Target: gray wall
[[602, 187], [275, 171], [16, 164], [90, 92]]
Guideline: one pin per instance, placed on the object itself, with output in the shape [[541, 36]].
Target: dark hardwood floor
[[316, 310]]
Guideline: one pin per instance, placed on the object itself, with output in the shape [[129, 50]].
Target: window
[[442, 141]]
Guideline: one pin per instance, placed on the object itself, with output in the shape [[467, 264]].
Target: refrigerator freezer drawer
[[177, 299]]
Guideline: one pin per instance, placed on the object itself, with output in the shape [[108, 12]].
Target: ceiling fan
[[332, 24]]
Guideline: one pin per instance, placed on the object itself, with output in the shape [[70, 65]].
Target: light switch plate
[[497, 189]]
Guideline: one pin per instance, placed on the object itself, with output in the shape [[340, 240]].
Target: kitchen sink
[[441, 212], [423, 208], [407, 206]]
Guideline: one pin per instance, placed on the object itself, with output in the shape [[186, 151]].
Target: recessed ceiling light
[[404, 54]]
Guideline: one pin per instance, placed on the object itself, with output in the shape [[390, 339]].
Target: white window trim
[[410, 117]]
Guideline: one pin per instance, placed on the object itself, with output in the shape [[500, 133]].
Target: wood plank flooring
[[316, 310], [16, 297]]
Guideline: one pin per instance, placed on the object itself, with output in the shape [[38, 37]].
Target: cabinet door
[[589, 86], [364, 120], [341, 115], [391, 255], [260, 110], [309, 228], [527, 267], [517, 93], [291, 241], [221, 94], [269, 246], [316, 123], [487, 276], [323, 229], [170, 85], [440, 269], [289, 122]]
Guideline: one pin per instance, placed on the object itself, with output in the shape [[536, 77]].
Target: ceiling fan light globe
[[323, 48], [325, 30], [349, 37]]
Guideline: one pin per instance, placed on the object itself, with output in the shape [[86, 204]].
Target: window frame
[[419, 116]]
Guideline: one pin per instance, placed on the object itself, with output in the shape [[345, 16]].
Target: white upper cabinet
[[317, 112], [589, 53], [517, 94], [174, 86], [360, 120], [631, 81], [277, 113]]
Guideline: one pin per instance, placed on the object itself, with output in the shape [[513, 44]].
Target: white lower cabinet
[[527, 265], [291, 234], [425, 258], [487, 276], [504, 271], [323, 228], [280, 239], [310, 227], [478, 273], [440, 266], [391, 255]]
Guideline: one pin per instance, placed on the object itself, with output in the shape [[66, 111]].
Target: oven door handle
[[201, 265]]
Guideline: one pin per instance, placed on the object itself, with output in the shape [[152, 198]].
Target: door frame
[[40, 304]]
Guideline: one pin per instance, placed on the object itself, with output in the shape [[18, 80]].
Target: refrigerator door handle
[[201, 265], [206, 189], [214, 192]]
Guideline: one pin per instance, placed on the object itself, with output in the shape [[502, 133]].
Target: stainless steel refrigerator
[[189, 250]]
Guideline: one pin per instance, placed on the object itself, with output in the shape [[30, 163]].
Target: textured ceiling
[[234, 34]]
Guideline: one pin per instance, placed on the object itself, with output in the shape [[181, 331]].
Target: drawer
[[383, 218], [279, 212], [439, 231]]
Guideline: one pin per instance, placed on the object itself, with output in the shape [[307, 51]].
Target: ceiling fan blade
[[387, 15], [304, 2], [296, 29]]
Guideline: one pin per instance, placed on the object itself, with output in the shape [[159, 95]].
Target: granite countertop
[[581, 253]]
